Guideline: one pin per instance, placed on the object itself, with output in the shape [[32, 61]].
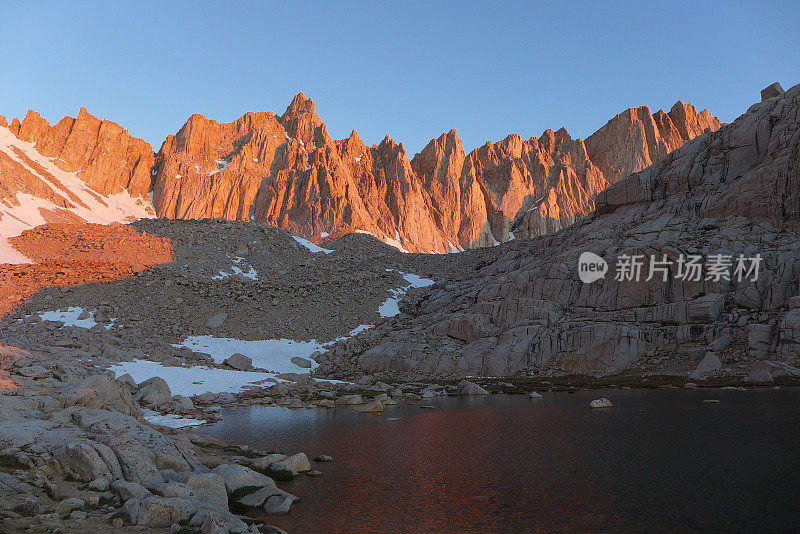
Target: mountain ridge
[[287, 171]]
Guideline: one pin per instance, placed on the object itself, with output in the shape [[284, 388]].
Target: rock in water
[[349, 400], [373, 406], [534, 395], [470, 388], [600, 403], [297, 463]]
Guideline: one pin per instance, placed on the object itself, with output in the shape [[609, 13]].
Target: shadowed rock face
[[734, 191], [288, 172]]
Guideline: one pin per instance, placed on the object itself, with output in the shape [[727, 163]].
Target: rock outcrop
[[734, 192]]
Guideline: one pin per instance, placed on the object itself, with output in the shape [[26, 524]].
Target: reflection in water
[[658, 460]]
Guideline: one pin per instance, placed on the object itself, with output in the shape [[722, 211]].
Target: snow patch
[[70, 317], [323, 235], [170, 420], [391, 306], [251, 274], [396, 242], [311, 246], [274, 355], [222, 165], [190, 381]]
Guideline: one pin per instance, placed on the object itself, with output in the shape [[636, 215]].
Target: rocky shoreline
[[77, 453]]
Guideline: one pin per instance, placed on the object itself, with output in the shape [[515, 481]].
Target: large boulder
[[297, 463], [131, 438], [136, 462], [159, 512], [100, 392], [129, 490], [277, 504], [209, 487], [216, 320], [771, 91], [239, 361], [760, 373], [305, 363], [349, 400], [210, 517], [88, 460], [239, 476], [709, 365], [154, 392], [373, 406], [175, 489]]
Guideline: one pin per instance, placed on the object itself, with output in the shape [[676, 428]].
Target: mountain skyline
[[415, 71]]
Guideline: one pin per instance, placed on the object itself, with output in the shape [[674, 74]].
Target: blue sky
[[413, 70]]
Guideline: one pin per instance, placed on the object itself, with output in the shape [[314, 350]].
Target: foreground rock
[[81, 453]]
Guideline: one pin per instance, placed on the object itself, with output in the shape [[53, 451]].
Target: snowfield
[[72, 317], [251, 274]]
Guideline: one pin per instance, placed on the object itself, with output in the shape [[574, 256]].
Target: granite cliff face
[[287, 171], [732, 192]]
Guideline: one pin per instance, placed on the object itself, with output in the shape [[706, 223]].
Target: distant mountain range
[[287, 171]]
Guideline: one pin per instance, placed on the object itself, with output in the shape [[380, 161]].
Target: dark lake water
[[658, 461]]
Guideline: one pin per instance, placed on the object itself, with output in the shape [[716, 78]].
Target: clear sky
[[413, 70]]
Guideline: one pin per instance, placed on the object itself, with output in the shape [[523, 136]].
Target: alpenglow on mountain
[[287, 171]]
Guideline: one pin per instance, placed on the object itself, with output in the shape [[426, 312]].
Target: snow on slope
[[96, 208]]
